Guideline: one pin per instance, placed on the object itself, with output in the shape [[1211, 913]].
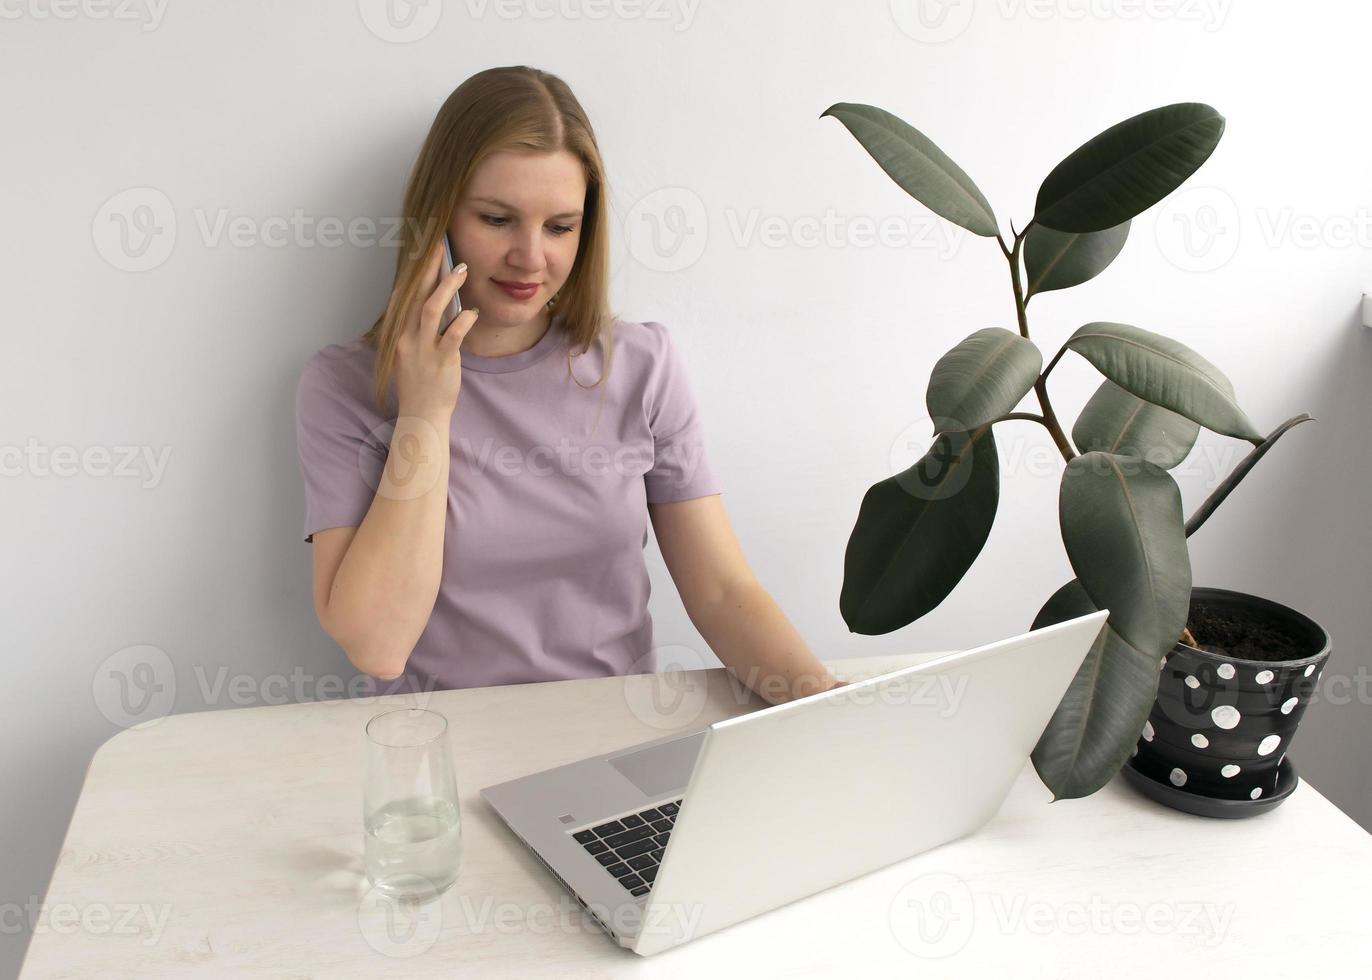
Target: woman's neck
[[485, 340]]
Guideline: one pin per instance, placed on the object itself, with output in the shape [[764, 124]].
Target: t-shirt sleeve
[[681, 467], [339, 459]]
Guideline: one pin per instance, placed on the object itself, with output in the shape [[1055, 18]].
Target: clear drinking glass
[[412, 824]]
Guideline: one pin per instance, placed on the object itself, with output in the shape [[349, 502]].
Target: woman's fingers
[[429, 278], [462, 324], [436, 306]]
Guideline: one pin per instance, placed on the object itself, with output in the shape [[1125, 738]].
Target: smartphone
[[455, 307]]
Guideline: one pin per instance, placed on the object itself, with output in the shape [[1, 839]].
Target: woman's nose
[[528, 252]]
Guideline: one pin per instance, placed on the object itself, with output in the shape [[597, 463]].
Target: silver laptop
[[670, 840]]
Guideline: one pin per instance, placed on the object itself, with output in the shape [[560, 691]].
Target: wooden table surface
[[229, 844]]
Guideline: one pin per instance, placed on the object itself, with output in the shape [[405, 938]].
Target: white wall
[[810, 360]]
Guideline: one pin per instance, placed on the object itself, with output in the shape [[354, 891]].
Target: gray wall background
[[166, 273]]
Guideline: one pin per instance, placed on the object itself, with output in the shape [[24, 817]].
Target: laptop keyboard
[[631, 847]]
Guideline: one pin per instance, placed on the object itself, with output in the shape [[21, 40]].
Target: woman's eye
[[499, 221]]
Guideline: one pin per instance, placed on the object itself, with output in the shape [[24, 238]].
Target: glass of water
[[412, 825]]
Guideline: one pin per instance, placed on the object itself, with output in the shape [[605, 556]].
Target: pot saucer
[[1207, 806]]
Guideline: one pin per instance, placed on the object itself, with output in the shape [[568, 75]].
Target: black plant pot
[[1215, 742]]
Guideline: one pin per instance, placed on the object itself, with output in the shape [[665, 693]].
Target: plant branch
[[1232, 480], [1051, 364], [1026, 416], [1050, 420]]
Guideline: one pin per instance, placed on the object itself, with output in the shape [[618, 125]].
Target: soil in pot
[[1218, 630]]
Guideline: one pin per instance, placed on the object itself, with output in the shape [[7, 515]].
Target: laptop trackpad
[[662, 768]]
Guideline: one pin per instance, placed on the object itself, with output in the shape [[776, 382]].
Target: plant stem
[[1207, 508], [1050, 420]]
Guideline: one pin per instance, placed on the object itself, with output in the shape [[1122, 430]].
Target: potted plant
[[1177, 684]]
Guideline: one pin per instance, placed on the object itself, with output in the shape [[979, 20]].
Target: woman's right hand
[[428, 368]]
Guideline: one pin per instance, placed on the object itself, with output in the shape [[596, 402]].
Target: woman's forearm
[[386, 585], [753, 638]]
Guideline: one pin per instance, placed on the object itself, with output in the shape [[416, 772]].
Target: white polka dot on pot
[[1225, 670], [1257, 791], [1309, 670], [1288, 704], [1178, 777], [1191, 682], [1225, 716], [1264, 677], [1148, 731], [1199, 740], [1229, 771], [1269, 744]]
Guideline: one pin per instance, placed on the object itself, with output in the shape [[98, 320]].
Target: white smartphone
[[455, 307]]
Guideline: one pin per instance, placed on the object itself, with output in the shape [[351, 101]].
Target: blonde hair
[[514, 108]]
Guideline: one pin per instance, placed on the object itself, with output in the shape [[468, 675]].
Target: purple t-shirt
[[543, 553]]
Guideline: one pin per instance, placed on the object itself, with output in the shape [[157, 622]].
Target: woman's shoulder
[[344, 369], [646, 339]]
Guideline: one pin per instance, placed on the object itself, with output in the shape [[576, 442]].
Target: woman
[[475, 519]]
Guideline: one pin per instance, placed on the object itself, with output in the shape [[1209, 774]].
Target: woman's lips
[[517, 292]]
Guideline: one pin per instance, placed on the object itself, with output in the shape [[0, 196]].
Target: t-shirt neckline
[[525, 358]]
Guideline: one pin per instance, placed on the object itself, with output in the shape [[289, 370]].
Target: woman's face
[[519, 222]]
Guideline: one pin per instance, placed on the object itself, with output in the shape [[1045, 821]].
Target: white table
[[229, 844]]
